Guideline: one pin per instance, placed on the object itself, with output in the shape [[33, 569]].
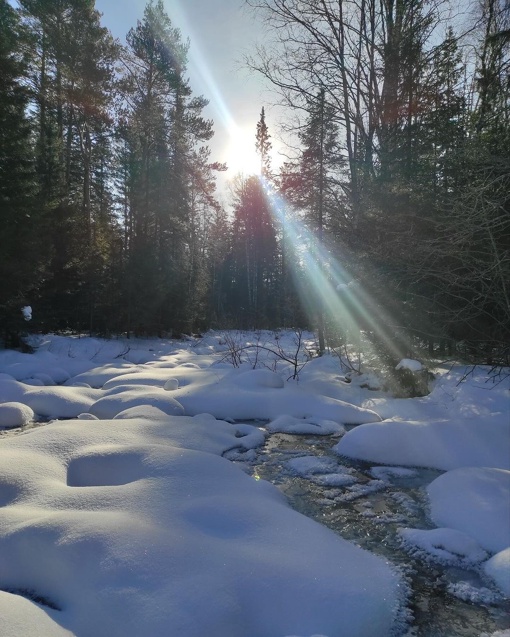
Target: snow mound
[[11, 390], [98, 376], [259, 378], [446, 546], [15, 415], [223, 396], [475, 501], [60, 402], [149, 412], [20, 616], [138, 528], [498, 569], [110, 406], [314, 426], [446, 444]]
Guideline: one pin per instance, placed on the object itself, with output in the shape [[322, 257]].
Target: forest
[[391, 214]]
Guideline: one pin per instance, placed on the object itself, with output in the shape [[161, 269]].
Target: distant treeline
[[400, 177]]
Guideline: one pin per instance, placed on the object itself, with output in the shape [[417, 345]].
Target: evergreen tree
[[19, 224], [263, 145], [255, 260], [72, 71], [165, 172]]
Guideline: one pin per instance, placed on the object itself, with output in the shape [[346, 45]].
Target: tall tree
[[312, 185], [72, 72], [19, 223], [163, 129], [255, 260], [263, 145]]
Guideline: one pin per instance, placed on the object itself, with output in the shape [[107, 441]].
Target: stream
[[366, 506]]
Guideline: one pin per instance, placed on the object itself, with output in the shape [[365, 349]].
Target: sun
[[241, 156]]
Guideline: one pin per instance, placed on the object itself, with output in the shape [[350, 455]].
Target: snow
[[124, 516], [440, 444], [462, 427], [443, 545], [323, 471], [315, 426], [134, 526], [475, 501], [126, 519], [14, 414], [498, 569], [409, 364]]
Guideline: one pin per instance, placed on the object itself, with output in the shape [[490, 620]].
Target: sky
[[221, 32]]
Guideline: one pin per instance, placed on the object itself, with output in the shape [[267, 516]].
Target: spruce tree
[[19, 222], [255, 259], [263, 145], [163, 129]]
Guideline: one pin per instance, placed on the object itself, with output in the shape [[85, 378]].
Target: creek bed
[[368, 511]]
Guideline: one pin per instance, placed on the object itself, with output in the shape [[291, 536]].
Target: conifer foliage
[[398, 175]]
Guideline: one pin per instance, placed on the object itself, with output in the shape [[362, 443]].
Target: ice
[[386, 473], [443, 545]]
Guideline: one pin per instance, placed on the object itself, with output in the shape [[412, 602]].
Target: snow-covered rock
[[313, 426], [15, 415], [447, 546], [409, 364]]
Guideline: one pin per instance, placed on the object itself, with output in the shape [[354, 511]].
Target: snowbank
[[128, 521], [476, 502], [444, 444], [134, 527]]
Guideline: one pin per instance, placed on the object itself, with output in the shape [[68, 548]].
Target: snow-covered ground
[[122, 517]]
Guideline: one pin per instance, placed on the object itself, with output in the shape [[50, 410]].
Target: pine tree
[[162, 129], [19, 224], [72, 70], [263, 145], [255, 259]]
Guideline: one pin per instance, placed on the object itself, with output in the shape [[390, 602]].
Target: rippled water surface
[[368, 511]]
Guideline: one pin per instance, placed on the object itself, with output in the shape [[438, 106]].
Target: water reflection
[[446, 601]]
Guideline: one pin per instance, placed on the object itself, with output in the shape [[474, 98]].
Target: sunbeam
[[322, 282]]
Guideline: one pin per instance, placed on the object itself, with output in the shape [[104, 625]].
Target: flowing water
[[366, 506]]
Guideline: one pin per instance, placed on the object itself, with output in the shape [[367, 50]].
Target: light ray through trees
[[320, 278]]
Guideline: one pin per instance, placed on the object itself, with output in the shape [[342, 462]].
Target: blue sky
[[220, 33]]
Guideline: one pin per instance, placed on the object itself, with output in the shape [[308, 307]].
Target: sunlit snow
[[123, 515]]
